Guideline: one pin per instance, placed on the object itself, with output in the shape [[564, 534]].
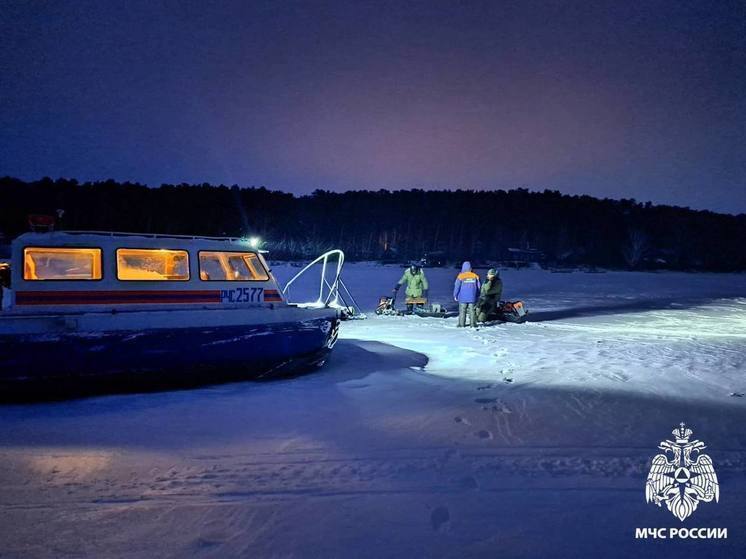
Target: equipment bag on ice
[[511, 311]]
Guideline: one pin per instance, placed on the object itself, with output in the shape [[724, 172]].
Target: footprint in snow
[[736, 394], [439, 518], [483, 434], [469, 482], [204, 543], [459, 419], [501, 408]]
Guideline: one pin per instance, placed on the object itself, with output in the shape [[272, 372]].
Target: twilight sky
[[642, 100]]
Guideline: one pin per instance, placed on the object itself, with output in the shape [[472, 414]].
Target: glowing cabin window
[[52, 263], [138, 264], [231, 266]]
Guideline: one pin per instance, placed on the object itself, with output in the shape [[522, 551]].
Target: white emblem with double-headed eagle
[[679, 480]]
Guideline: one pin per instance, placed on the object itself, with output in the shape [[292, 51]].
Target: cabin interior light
[[61, 263]]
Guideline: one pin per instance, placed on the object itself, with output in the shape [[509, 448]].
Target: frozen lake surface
[[416, 439]]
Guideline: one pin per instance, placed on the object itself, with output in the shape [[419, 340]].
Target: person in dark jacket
[[489, 296], [4, 280], [466, 293], [417, 285]]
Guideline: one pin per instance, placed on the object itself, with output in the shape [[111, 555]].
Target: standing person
[[4, 281], [417, 285], [489, 296], [466, 293]]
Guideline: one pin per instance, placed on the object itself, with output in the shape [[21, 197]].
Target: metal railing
[[150, 235], [331, 294]]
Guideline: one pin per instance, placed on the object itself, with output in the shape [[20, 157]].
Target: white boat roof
[[142, 240]]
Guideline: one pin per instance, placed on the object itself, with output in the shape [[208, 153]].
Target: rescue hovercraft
[[87, 305]]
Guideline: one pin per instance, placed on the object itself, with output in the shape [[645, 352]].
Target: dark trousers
[[486, 309]]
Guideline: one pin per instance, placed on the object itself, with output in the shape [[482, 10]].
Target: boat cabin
[[95, 270]]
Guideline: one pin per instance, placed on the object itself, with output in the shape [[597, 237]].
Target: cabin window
[[53, 263], [152, 264], [231, 266]]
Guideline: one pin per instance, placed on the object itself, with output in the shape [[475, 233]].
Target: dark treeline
[[401, 225]]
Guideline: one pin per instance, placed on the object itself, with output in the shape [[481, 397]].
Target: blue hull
[[179, 355]]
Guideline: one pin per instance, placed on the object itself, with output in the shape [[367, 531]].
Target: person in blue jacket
[[466, 292]]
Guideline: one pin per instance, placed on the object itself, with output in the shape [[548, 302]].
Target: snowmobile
[[387, 305], [509, 311]]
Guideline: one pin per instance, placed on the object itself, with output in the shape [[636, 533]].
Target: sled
[[507, 311], [435, 311]]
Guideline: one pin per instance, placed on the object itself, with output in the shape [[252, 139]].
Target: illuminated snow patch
[[638, 352]]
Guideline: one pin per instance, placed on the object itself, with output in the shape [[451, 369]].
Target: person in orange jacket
[[466, 292]]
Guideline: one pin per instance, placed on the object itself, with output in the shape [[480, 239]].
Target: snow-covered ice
[[416, 439]]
